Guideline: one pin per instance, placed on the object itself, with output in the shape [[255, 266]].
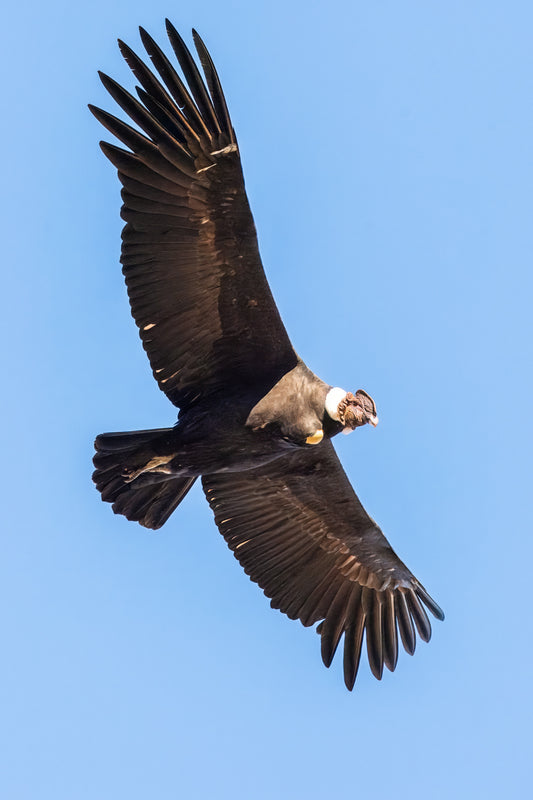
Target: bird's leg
[[157, 464]]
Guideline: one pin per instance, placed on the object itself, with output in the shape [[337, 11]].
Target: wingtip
[[106, 80], [428, 601], [102, 116], [170, 28], [349, 679], [107, 149], [125, 50], [327, 654], [176, 39], [146, 39]]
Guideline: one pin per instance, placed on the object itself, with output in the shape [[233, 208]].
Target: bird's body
[[241, 429], [255, 423]]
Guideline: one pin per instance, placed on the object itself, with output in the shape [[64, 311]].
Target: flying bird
[[255, 424]]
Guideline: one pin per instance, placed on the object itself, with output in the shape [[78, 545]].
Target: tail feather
[[152, 505], [149, 503], [126, 440]]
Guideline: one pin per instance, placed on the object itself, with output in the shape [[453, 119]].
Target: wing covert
[[196, 285], [300, 532]]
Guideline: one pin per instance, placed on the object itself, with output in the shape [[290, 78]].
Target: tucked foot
[[157, 464]]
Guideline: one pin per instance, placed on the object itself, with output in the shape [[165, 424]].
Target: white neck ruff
[[333, 398]]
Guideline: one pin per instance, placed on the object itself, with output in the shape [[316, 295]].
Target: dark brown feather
[[215, 87], [197, 128], [371, 602], [353, 641], [147, 79], [390, 634], [405, 623], [419, 616], [194, 80]]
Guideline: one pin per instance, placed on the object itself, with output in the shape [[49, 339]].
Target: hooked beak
[[373, 420]]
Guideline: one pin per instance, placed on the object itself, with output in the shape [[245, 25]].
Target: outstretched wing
[[300, 532], [195, 281]]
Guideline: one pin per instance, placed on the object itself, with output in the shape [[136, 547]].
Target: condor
[[254, 422]]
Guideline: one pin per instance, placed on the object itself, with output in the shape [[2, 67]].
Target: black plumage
[[255, 423]]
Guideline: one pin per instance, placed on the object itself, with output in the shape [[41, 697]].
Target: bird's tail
[[148, 499]]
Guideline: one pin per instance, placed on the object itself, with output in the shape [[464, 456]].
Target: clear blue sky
[[387, 150]]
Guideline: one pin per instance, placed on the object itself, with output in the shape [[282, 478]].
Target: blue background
[[387, 149]]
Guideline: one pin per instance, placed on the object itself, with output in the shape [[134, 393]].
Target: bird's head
[[351, 410]]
